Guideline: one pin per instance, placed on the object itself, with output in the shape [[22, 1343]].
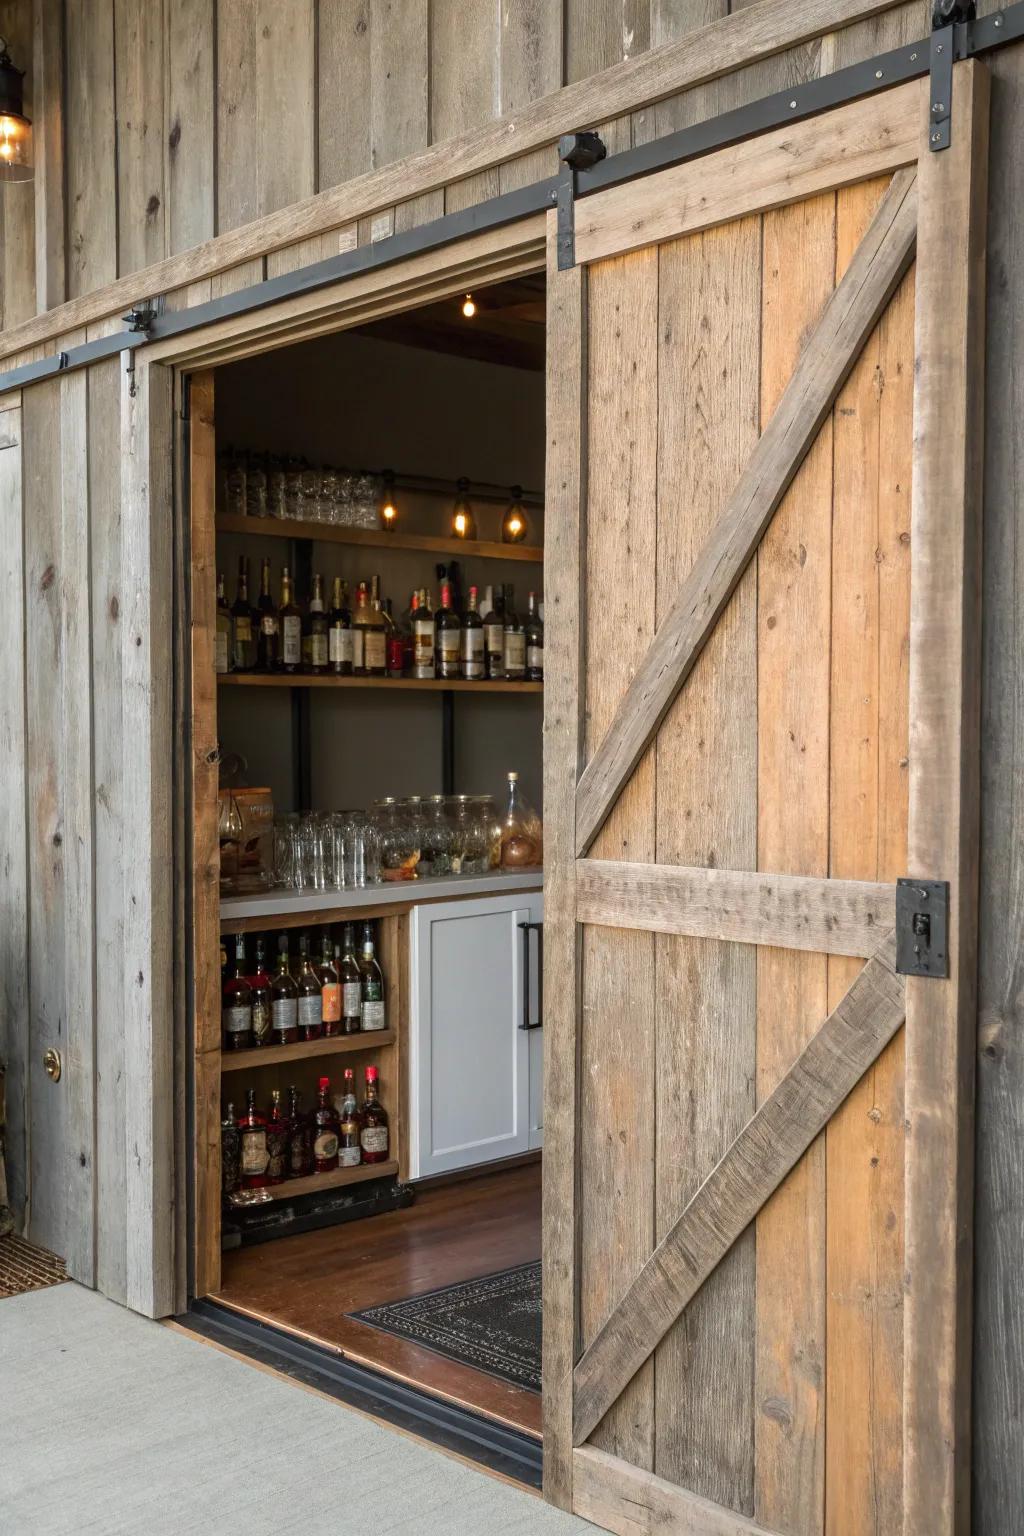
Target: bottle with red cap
[[373, 1135], [325, 1131]]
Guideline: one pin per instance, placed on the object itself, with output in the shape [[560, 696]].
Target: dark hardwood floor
[[453, 1232]]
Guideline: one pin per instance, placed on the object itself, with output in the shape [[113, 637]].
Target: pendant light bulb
[[514, 525], [469, 306], [463, 521], [388, 510]]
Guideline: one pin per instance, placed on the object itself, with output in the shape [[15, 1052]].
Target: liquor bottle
[[373, 1135], [262, 1007], [243, 640], [349, 1148], [361, 623], [396, 642], [325, 1130], [277, 1141], [339, 637], [291, 626], [423, 638], [494, 636], [253, 1158], [372, 984], [515, 639], [236, 1003], [351, 985], [284, 998], [330, 990], [315, 635], [472, 647], [229, 1151], [300, 1137], [375, 635], [222, 651], [309, 1005], [448, 631], [534, 643], [268, 643]]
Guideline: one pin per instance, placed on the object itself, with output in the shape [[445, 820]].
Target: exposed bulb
[[469, 306], [388, 510], [463, 521], [514, 524]]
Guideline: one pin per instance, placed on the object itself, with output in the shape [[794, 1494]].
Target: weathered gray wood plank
[[189, 137], [90, 149], [48, 150], [632, 1502], [140, 40]]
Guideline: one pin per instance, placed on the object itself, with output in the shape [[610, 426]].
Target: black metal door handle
[[526, 929]]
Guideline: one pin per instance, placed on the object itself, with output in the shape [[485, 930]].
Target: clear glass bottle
[[309, 1007], [522, 838], [373, 1011], [284, 998]]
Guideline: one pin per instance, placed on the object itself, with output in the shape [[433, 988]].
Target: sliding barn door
[[761, 712]]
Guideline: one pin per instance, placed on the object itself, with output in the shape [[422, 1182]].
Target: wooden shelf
[[410, 684], [315, 1182], [304, 1050], [374, 538]]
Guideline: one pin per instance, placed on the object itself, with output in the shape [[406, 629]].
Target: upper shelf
[[377, 538], [414, 684]]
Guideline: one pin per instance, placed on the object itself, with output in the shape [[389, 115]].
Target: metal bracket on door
[[922, 928], [951, 20], [526, 929], [576, 152]]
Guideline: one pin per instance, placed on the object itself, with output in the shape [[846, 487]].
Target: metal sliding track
[[148, 323]]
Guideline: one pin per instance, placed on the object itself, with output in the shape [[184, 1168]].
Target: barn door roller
[[576, 152], [951, 22]]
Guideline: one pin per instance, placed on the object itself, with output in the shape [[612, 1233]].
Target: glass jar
[[436, 850], [490, 820], [414, 812], [399, 850], [471, 835]]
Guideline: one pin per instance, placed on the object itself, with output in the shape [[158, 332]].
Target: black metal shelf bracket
[[951, 22], [576, 152]]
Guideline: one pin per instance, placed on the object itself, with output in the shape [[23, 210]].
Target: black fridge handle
[[526, 929]]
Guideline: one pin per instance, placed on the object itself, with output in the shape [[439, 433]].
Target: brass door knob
[[52, 1064]]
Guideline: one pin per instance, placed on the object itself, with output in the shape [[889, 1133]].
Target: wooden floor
[[453, 1232]]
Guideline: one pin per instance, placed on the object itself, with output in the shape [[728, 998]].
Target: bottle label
[[254, 1151], [448, 646], [298, 1155], [374, 650], [358, 650], [277, 1142], [352, 998], [261, 1019], [243, 629], [286, 1013], [495, 638], [268, 624], [535, 658], [348, 1155], [220, 655], [318, 650], [374, 1138], [325, 1147], [340, 645], [236, 1020], [473, 645], [330, 1002], [515, 653], [291, 640], [309, 1012], [373, 1013]]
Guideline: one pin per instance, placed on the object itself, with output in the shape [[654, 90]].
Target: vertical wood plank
[[465, 85], [343, 90], [617, 1050], [530, 66], [111, 834], [90, 146], [189, 138], [400, 95], [565, 617], [708, 409], [146, 514], [600, 33], [793, 575], [139, 41], [14, 976], [48, 149], [945, 627], [205, 859]]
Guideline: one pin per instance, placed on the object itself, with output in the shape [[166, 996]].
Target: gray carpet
[[112, 1424]]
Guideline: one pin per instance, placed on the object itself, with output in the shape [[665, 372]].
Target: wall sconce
[[463, 521], [514, 525], [15, 127], [388, 510]]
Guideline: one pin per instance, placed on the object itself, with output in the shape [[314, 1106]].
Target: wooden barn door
[[761, 711]]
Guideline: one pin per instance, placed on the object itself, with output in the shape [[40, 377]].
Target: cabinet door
[[470, 1067]]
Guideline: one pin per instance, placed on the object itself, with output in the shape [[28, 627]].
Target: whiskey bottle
[[330, 990], [360, 624], [373, 1135], [351, 985], [229, 1151], [515, 639], [284, 998], [534, 643], [300, 1137], [339, 637], [268, 643], [309, 1004], [277, 1141], [349, 1148], [325, 1130], [243, 639], [494, 634], [375, 642], [315, 638], [423, 638], [222, 649], [472, 647], [372, 984], [262, 1009], [236, 1003], [448, 631], [291, 627], [253, 1157]]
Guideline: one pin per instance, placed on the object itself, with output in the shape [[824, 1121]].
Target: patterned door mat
[[26, 1268], [492, 1324]]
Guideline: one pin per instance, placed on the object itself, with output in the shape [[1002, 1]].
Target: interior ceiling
[[508, 326]]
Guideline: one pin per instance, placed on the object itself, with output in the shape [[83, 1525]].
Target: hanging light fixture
[[469, 306], [514, 525], [388, 510], [15, 127], [463, 521]]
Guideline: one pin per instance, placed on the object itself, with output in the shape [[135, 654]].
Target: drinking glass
[[340, 830], [293, 489], [235, 485], [328, 495], [363, 865], [256, 486], [311, 509], [286, 866], [277, 505]]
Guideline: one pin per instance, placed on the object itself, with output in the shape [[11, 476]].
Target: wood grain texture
[[752, 1169], [564, 614], [90, 150], [945, 629], [800, 407], [621, 1498], [189, 137], [146, 512], [343, 91], [140, 40], [856, 141], [465, 91], [48, 44]]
